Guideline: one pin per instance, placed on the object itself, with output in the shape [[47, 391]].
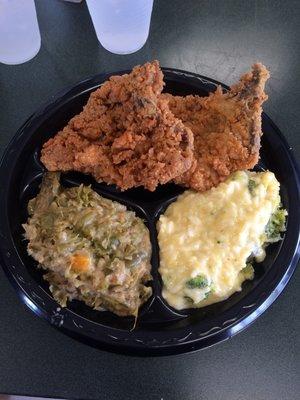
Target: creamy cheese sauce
[[205, 239]]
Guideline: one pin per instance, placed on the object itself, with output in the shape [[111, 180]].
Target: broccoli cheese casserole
[[207, 240], [92, 248]]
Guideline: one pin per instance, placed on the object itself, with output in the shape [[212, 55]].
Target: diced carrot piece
[[80, 263]]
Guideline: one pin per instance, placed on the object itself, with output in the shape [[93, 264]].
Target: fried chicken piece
[[125, 135], [226, 128]]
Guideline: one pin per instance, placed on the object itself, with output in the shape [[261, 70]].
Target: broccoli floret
[[198, 282], [276, 225]]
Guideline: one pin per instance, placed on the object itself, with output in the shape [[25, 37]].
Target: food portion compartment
[[30, 187], [262, 270]]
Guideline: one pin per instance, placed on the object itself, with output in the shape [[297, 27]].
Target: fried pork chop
[[125, 135], [226, 128]]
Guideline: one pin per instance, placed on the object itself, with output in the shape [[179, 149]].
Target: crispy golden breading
[[226, 128], [129, 134], [125, 135]]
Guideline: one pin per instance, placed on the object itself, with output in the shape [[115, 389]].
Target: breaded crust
[[226, 128], [125, 135]]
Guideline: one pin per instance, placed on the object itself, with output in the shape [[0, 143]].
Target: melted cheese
[[212, 234]]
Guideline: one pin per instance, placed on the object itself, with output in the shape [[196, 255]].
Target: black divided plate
[[160, 330]]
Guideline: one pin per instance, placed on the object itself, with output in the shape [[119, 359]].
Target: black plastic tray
[[160, 330]]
